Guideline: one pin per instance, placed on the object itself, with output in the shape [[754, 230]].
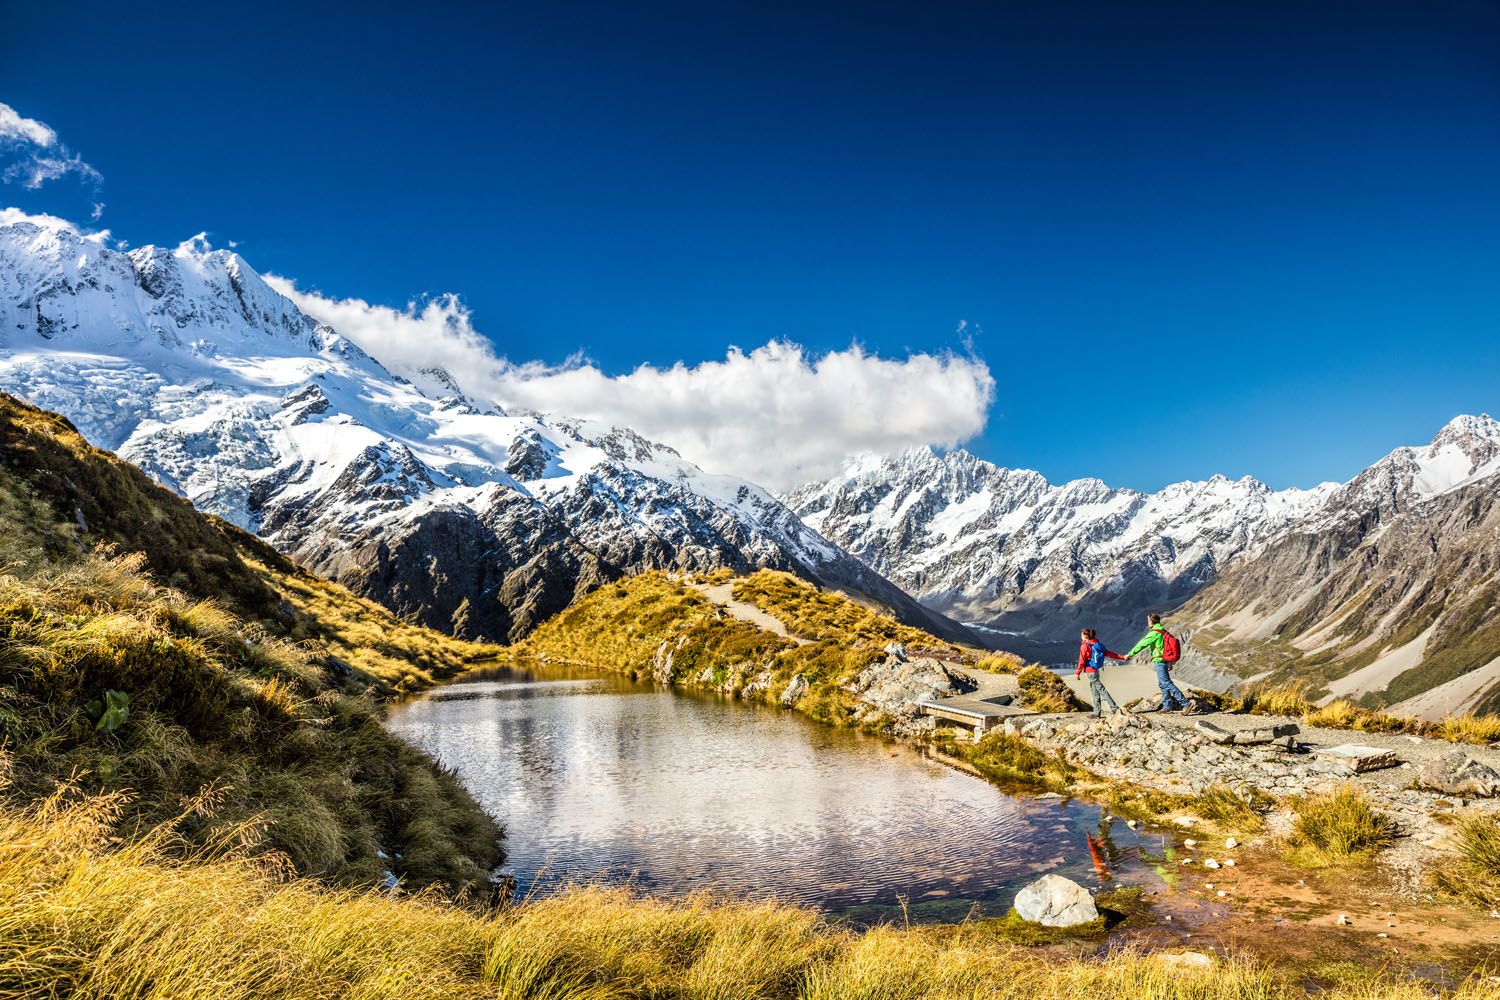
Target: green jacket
[[1152, 641]]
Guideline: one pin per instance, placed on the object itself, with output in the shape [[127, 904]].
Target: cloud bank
[[777, 415], [31, 154]]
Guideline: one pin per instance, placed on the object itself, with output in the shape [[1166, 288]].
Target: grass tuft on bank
[[1337, 828], [1474, 876], [84, 915]]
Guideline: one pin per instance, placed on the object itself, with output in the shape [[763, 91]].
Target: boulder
[[1265, 734], [895, 686], [1055, 901], [1457, 773], [1213, 732], [1351, 758], [794, 691]]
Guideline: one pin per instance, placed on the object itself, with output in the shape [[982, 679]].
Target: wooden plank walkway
[[969, 711]]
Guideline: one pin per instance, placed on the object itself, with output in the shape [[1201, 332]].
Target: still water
[[599, 778]]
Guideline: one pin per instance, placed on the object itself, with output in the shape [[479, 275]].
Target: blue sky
[[1186, 238]]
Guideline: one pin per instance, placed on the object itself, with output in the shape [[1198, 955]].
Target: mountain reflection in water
[[598, 778]]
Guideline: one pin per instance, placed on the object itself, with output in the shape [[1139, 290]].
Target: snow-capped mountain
[[1388, 594], [1008, 550], [188, 364]]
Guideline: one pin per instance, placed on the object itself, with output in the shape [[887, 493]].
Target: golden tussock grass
[[1337, 828], [86, 917], [1293, 699], [1475, 875]]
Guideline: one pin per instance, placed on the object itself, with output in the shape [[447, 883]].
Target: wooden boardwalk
[[982, 715]]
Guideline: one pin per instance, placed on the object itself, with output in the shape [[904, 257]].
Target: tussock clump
[[1475, 875], [1241, 811], [1337, 828], [1001, 663], [1480, 729], [1044, 691]]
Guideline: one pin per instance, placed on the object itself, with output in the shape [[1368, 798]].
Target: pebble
[[1210, 863], [1231, 844], [1223, 893], [1229, 862], [1382, 935], [1343, 920], [1130, 823], [1190, 843]]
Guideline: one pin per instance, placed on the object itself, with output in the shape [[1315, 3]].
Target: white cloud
[[31, 153], [777, 415]]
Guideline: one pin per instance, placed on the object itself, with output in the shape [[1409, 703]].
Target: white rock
[[1210, 863], [1223, 893], [1229, 862], [1054, 901], [1231, 844], [1343, 920], [1190, 842]]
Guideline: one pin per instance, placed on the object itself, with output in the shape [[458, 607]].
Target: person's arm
[[1143, 644], [1115, 656]]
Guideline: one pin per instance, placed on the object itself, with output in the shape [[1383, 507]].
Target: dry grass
[[1475, 875], [1480, 729], [83, 917], [1337, 828], [1044, 691], [1292, 699], [218, 702], [1230, 809], [814, 614]]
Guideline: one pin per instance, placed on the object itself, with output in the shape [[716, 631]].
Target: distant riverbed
[[599, 778]]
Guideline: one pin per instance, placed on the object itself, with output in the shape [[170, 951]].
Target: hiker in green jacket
[[1172, 698]]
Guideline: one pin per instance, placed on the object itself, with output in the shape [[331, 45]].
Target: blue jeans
[[1171, 695], [1100, 695]]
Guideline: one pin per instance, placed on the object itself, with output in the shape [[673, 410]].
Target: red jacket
[[1085, 648]]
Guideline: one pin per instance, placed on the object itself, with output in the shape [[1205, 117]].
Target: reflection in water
[[601, 778]]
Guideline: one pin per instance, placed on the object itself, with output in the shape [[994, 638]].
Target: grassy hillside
[[83, 916], [242, 696]]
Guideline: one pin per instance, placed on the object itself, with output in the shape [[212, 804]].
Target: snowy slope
[[1004, 548], [188, 364]]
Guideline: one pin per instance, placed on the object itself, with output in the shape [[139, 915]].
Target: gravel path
[[723, 595]]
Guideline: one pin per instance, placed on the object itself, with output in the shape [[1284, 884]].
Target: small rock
[[1186, 821], [1054, 901], [1229, 862], [1343, 920], [1130, 823], [1210, 863], [1223, 893], [1382, 935], [1231, 843], [1190, 843]]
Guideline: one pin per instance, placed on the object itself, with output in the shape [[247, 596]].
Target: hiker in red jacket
[[1091, 657]]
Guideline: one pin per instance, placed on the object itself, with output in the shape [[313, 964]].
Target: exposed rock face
[[1388, 594], [444, 507], [894, 686], [1009, 550], [1386, 587], [1054, 901]]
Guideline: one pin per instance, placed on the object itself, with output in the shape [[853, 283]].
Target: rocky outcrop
[[1458, 773]]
